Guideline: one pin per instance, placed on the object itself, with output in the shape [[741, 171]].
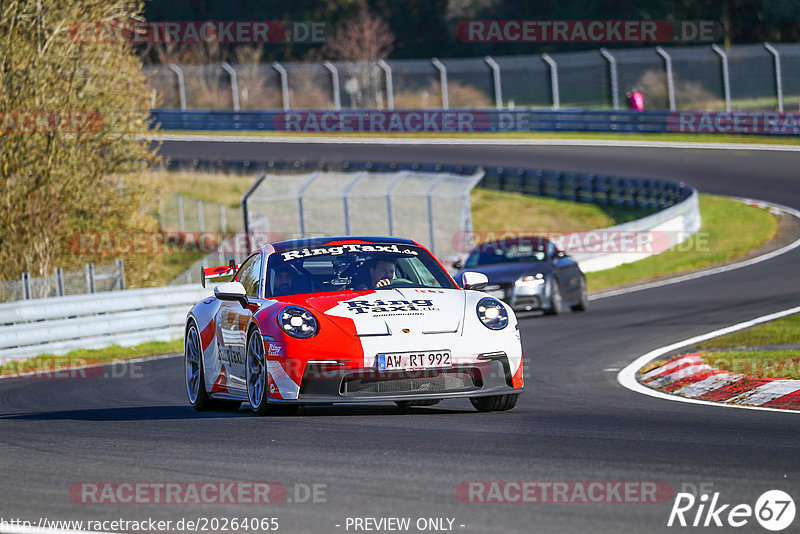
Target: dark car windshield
[[506, 253], [355, 267]]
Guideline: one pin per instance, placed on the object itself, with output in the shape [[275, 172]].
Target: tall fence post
[[442, 81], [181, 85], [670, 80], [387, 71], [337, 98], [429, 193], [778, 78], [234, 84], [346, 200], [389, 191], [498, 88], [26, 285], [613, 78], [726, 82], [300, 193], [180, 213], [90, 277], [284, 84], [201, 220], [121, 273], [553, 80], [221, 237], [59, 281]]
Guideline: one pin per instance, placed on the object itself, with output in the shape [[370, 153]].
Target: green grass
[[729, 230], [762, 363], [779, 332], [76, 358], [502, 211], [668, 137], [217, 188]]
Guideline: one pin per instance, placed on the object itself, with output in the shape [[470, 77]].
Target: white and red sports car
[[349, 320]]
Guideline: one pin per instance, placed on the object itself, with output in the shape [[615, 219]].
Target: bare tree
[[365, 37], [362, 40]]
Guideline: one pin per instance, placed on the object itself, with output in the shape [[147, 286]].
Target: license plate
[[413, 360]]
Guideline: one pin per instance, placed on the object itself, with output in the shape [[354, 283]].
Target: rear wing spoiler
[[223, 273]]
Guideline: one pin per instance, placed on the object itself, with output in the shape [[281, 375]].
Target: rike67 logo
[[774, 510]]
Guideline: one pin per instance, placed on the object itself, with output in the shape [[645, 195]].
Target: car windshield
[[493, 253], [354, 267]]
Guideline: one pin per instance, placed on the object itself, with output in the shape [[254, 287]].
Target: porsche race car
[[349, 320]]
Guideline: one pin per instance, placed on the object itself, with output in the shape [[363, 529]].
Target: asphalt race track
[[574, 422]]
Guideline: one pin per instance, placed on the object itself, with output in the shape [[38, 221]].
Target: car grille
[[437, 381]]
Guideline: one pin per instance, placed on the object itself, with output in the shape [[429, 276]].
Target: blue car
[[529, 273]]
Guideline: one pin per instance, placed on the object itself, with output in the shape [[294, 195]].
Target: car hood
[[398, 311], [508, 272]]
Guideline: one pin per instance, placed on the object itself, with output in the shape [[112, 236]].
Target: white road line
[[627, 377], [458, 141], [717, 270]]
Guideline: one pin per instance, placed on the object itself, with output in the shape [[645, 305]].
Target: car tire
[[414, 403], [495, 403], [556, 299], [582, 304], [193, 369], [256, 380]]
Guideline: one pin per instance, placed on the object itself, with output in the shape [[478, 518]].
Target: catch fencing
[[740, 77], [429, 208], [92, 279]]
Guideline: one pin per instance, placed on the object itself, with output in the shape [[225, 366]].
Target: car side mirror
[[232, 291], [457, 264], [473, 280]]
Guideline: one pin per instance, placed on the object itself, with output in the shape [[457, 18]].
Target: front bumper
[[323, 384]]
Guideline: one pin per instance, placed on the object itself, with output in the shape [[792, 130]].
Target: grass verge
[[729, 230], [54, 365]]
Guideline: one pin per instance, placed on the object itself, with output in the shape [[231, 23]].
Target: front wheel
[[195, 376], [583, 303], [256, 378], [556, 299], [495, 403]]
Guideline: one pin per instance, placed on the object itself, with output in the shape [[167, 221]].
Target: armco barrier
[[450, 120], [457, 121], [60, 324]]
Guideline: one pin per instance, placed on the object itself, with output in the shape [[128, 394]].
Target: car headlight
[[531, 280], [297, 322], [492, 313]]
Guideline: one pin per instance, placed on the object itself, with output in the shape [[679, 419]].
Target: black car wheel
[[556, 299], [495, 403], [583, 304]]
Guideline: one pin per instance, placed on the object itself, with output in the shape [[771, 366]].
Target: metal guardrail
[[61, 324], [479, 120], [576, 187]]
